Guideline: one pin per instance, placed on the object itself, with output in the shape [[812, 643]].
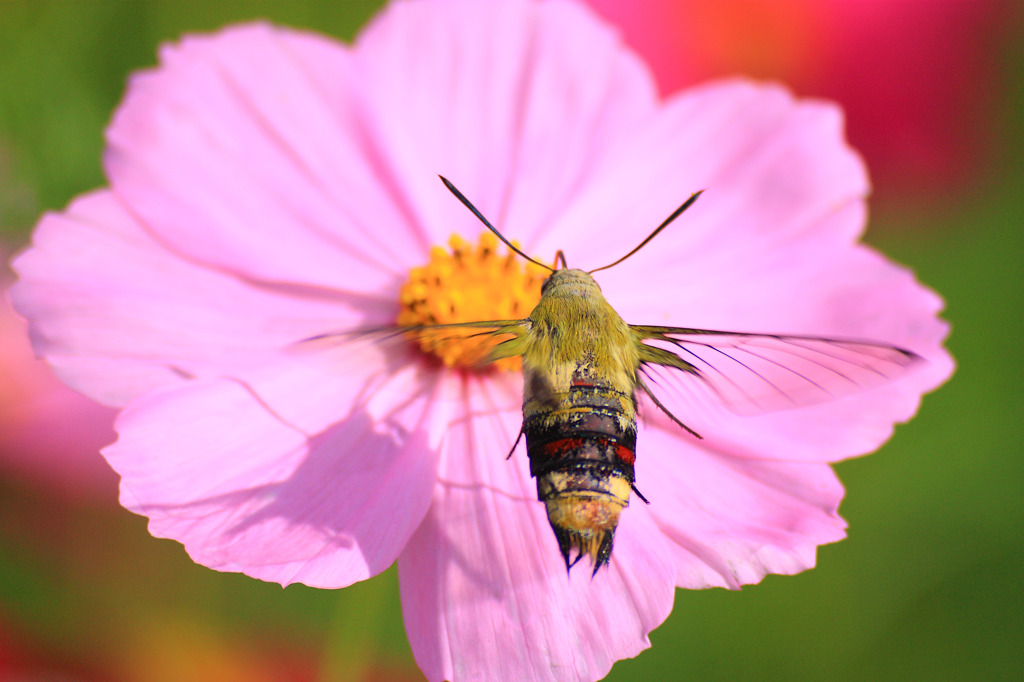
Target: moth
[[584, 368]]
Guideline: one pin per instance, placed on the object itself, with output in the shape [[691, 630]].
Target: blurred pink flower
[[49, 434], [917, 78], [269, 185]]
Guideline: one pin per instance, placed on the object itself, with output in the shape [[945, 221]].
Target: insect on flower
[[584, 366]]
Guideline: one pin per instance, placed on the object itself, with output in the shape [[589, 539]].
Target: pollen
[[467, 283]]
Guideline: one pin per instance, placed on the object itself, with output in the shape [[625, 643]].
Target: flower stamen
[[467, 283]]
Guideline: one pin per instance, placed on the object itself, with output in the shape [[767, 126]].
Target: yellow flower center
[[467, 283]]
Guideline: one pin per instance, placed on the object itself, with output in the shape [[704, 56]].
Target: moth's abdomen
[[582, 446]]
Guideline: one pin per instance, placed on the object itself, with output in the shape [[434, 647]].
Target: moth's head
[[568, 279]]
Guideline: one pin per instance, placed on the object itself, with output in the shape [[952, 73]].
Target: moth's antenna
[[675, 214], [471, 207]]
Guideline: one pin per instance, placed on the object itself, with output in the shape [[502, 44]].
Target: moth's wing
[[757, 373], [492, 339]]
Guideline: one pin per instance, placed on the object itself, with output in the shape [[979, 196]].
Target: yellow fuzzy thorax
[[575, 330]]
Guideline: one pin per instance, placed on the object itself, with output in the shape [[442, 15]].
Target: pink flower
[[268, 185]]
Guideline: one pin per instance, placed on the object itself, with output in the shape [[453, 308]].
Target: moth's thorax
[[573, 329]]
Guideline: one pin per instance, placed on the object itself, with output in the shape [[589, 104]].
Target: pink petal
[[484, 588], [284, 477], [243, 151], [732, 521], [515, 102], [117, 314], [770, 166]]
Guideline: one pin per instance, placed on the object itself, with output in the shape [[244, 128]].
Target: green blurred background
[[927, 586]]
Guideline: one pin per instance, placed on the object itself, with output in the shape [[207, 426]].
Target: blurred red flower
[[916, 78]]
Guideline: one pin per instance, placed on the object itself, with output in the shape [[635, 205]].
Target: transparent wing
[[465, 343], [756, 373]]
